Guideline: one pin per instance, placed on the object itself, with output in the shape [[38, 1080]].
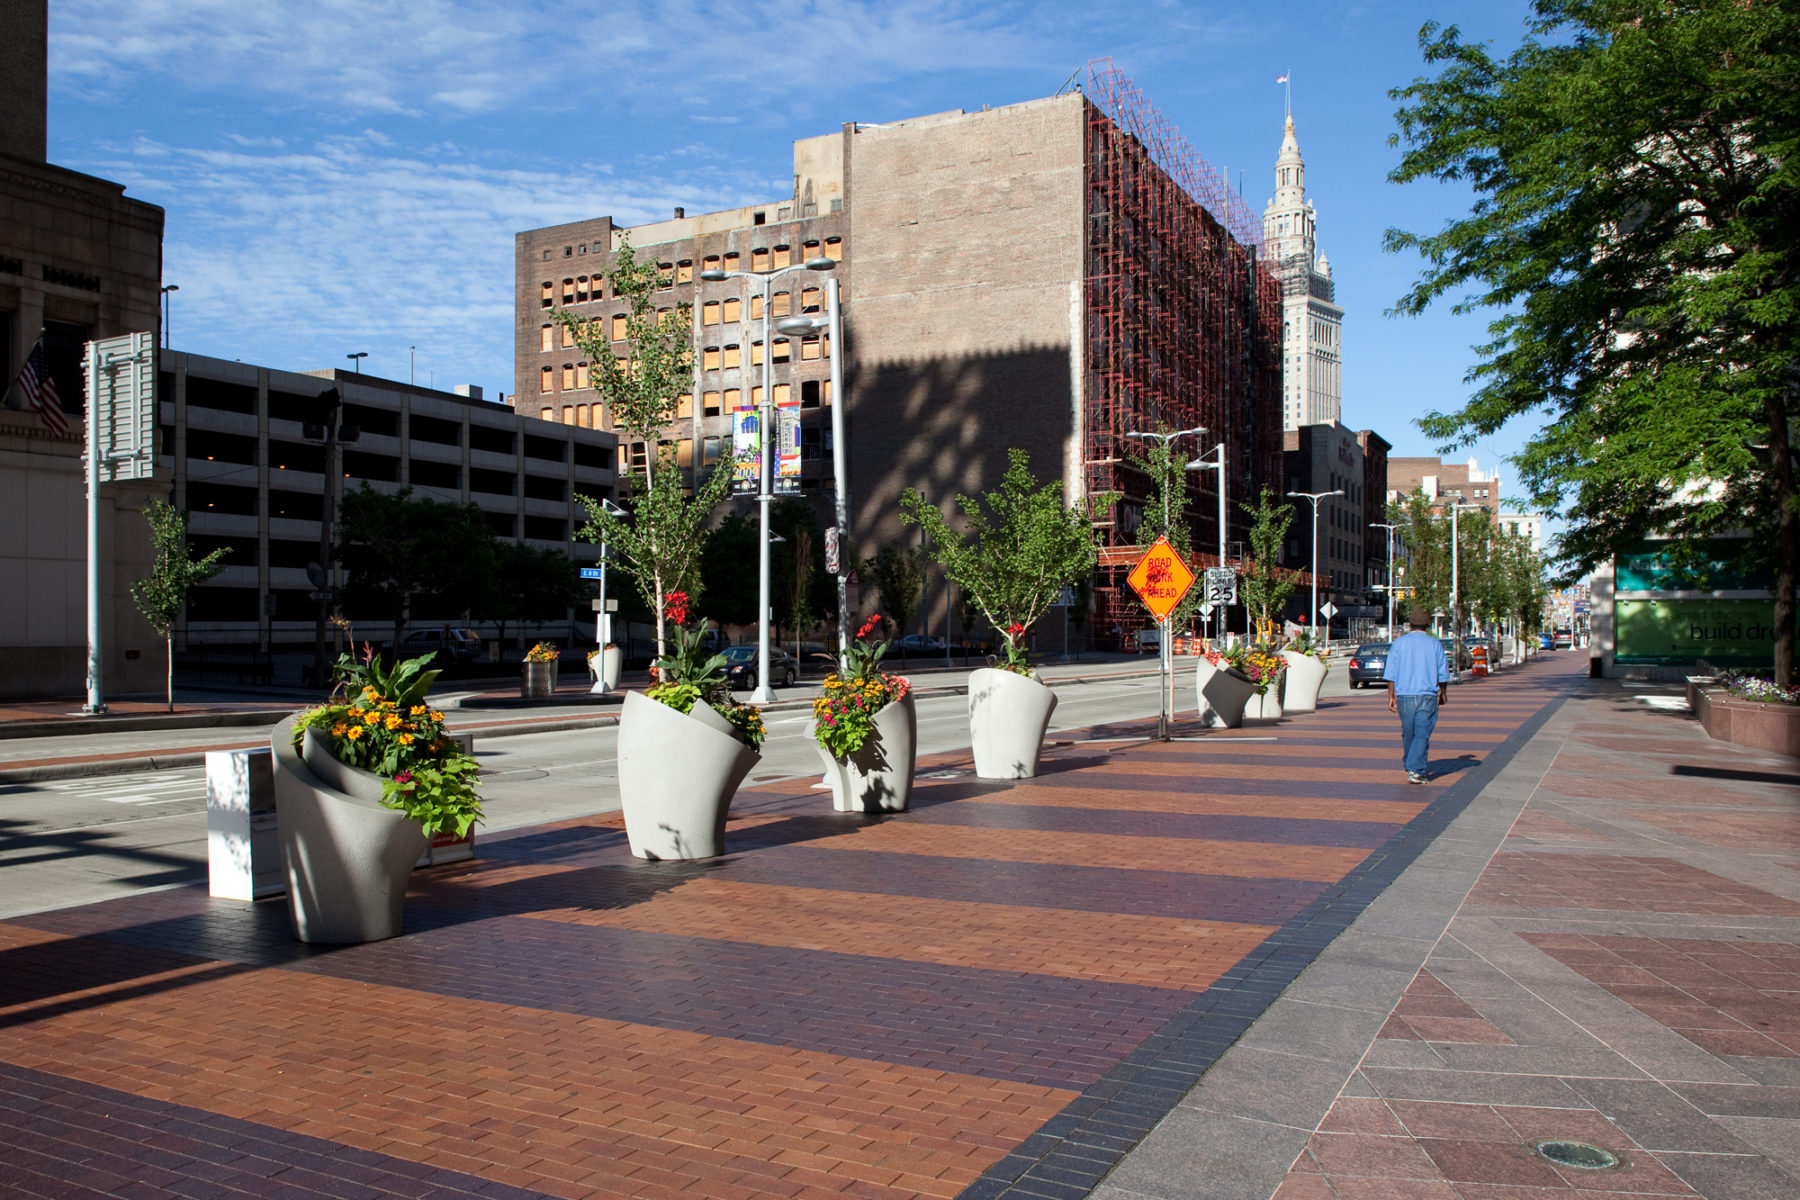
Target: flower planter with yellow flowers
[[867, 731]]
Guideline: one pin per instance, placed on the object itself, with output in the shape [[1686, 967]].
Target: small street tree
[[172, 576], [1267, 584], [1165, 515], [1636, 232], [898, 576], [398, 549], [1022, 547]]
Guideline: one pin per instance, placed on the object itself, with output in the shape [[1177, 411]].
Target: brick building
[[1444, 481], [1048, 275], [1352, 553]]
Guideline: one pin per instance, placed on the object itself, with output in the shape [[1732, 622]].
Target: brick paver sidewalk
[[1625, 973], [999, 992]]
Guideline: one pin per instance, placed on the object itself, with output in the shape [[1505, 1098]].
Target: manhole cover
[[1577, 1154]]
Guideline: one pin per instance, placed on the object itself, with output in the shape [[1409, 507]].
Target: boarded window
[[710, 263], [709, 404], [756, 308], [568, 377], [545, 337], [546, 381], [809, 349], [581, 375], [709, 313], [549, 294], [582, 416], [810, 299], [784, 257], [684, 452], [781, 350], [548, 414], [784, 395], [709, 359], [684, 406], [756, 351], [665, 275], [834, 249], [568, 414], [782, 305], [684, 271], [710, 448], [731, 358], [734, 399], [733, 307], [810, 250], [618, 327], [759, 260], [568, 336], [732, 260], [581, 289], [568, 291]]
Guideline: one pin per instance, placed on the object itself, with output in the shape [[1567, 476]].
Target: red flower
[[675, 607], [1015, 629], [872, 623]]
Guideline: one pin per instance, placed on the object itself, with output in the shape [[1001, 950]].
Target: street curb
[[133, 764], [76, 726]]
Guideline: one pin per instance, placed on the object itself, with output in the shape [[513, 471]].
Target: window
[[546, 256], [834, 247], [709, 313], [734, 399], [731, 358], [709, 404], [710, 263], [810, 444], [784, 394], [665, 275], [684, 453], [782, 305], [568, 414], [758, 218], [809, 299], [809, 250], [684, 407], [756, 352], [809, 349], [568, 295], [732, 259], [598, 291], [582, 416], [548, 413], [568, 336], [759, 259], [732, 307], [618, 327], [756, 308], [581, 375], [710, 449], [810, 391], [549, 295], [684, 271], [756, 397], [546, 381], [581, 249], [544, 338], [581, 289], [784, 257], [781, 350], [639, 456], [568, 377], [709, 359], [568, 252]]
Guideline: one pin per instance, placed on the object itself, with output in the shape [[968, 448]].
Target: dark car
[[919, 643], [446, 645], [741, 672], [1367, 663]]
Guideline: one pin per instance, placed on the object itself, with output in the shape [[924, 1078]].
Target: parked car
[[1367, 664], [741, 668], [919, 643], [447, 644], [1546, 640], [1493, 653], [1468, 660]]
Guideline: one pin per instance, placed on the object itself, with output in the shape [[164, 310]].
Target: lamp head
[[800, 326], [821, 263], [712, 274]]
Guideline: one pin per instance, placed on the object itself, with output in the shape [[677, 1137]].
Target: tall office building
[[1312, 386], [1050, 276]]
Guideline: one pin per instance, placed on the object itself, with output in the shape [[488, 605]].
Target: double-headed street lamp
[[1200, 464], [603, 619], [765, 496], [1390, 527], [357, 359], [1315, 497]]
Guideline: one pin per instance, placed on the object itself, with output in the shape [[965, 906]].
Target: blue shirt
[[1415, 664]]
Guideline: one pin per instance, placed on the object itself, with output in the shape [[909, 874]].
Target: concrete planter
[[1266, 707], [538, 679], [605, 668], [677, 775], [1749, 723], [348, 859], [1008, 715], [879, 777], [1304, 676], [1223, 693]]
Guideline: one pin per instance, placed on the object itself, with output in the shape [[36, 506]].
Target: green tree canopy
[[1267, 585], [528, 584], [1635, 226], [399, 550], [898, 576], [1166, 515]]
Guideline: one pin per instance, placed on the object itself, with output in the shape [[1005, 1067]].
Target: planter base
[[1008, 715], [879, 777], [677, 775], [1304, 676], [1223, 693]]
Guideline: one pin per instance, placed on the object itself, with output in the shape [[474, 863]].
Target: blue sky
[[347, 175]]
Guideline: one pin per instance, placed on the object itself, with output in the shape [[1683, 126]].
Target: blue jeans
[[1418, 716]]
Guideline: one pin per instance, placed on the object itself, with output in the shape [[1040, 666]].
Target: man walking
[[1418, 682]]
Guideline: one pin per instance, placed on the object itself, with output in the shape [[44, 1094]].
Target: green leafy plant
[[1267, 585], [844, 713], [172, 576], [1023, 546], [378, 720], [691, 674]]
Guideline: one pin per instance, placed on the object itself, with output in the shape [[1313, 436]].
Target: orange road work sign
[[1160, 579]]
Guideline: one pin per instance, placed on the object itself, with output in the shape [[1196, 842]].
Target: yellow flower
[[338, 729], [417, 710], [354, 732], [373, 718], [406, 739], [436, 715], [392, 721], [355, 711]]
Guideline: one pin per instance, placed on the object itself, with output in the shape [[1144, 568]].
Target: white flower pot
[[1223, 693], [1266, 707], [605, 668], [1008, 715], [677, 775], [348, 859], [879, 777], [1304, 676]]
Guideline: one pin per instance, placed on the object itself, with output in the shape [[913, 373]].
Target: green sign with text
[[1676, 632]]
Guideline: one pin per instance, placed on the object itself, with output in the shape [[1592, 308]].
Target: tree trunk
[[1787, 535], [169, 668]]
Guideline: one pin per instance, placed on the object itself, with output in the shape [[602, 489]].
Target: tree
[[728, 570], [1165, 515], [528, 584], [1023, 546], [898, 576], [398, 550], [172, 576], [659, 542], [1636, 225], [1266, 585]]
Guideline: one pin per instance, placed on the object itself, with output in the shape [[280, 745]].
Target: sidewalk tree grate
[[1584, 1155]]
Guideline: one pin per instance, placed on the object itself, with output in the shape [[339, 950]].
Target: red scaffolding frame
[[1183, 328]]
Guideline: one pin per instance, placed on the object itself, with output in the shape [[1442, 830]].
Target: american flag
[[40, 389]]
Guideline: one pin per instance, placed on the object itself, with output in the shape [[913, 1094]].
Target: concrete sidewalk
[[1012, 989]]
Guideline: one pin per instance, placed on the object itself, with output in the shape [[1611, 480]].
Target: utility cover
[[1161, 579]]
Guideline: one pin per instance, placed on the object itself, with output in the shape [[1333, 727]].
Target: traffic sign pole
[[1161, 579]]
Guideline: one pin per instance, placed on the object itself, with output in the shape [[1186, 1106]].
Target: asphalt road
[[75, 841]]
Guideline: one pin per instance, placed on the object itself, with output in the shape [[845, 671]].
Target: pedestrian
[[1418, 683]]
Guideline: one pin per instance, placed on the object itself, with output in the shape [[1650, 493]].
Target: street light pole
[[167, 288], [765, 474], [603, 621], [1315, 497], [1455, 593], [1165, 697], [1390, 527], [357, 359], [834, 326], [1200, 464]]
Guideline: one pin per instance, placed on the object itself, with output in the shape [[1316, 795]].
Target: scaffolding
[[1183, 328]]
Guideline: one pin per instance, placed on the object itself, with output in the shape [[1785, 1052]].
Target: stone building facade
[[1312, 388]]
